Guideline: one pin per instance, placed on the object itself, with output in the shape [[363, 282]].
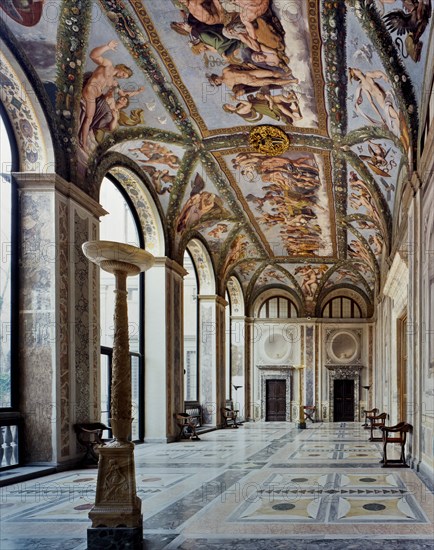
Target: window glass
[[190, 330], [119, 225], [5, 266]]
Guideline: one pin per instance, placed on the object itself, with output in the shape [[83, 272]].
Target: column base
[[301, 425], [115, 538], [116, 503]]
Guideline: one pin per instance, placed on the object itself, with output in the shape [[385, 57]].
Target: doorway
[[275, 397], [402, 368], [343, 405]]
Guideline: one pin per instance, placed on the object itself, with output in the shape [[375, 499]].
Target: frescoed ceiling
[[173, 87]]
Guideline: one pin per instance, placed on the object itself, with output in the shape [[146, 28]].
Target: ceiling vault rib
[[139, 48], [341, 78], [373, 188], [212, 171], [185, 172]]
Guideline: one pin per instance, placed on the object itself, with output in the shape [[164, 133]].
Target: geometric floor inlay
[[263, 486]]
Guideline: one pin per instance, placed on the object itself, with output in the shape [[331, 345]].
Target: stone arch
[[204, 267], [275, 291], [236, 296], [346, 292], [29, 123], [145, 207]]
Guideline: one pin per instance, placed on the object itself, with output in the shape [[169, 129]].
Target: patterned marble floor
[[263, 486]]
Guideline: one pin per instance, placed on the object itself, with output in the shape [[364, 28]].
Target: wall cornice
[[32, 181]]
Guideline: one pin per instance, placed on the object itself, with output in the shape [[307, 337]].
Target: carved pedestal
[[116, 516]]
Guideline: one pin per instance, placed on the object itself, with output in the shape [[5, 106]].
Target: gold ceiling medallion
[[270, 140]]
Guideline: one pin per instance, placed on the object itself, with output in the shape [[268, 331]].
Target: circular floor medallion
[[284, 506], [374, 507]]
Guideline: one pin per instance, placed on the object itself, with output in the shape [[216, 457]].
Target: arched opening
[[9, 455], [341, 307], [228, 342], [191, 317], [121, 224], [278, 307], [235, 345]]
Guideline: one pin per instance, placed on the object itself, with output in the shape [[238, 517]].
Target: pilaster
[[164, 330], [59, 340], [212, 357]]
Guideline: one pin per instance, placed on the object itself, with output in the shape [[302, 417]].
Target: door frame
[[274, 372], [349, 372]]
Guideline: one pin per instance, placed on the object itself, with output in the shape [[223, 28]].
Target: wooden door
[[343, 400], [275, 400]]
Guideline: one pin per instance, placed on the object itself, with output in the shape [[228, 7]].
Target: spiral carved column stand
[[117, 510]]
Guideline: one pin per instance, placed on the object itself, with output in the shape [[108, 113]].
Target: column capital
[[32, 181], [168, 263], [213, 298], [239, 318]]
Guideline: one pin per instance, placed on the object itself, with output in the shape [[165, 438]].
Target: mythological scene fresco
[[173, 88], [160, 162], [115, 94], [273, 161], [286, 196], [35, 24], [245, 62]]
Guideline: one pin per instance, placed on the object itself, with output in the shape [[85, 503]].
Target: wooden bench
[[90, 436], [395, 434], [230, 414], [309, 412], [377, 422], [372, 412], [187, 426]]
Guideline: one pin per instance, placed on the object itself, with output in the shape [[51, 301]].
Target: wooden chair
[[194, 409], [309, 412], [395, 434], [90, 436], [377, 422], [187, 427], [372, 412], [230, 415]]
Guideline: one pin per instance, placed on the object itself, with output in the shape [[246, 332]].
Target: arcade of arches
[[305, 278]]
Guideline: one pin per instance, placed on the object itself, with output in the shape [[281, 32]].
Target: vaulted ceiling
[[171, 89]]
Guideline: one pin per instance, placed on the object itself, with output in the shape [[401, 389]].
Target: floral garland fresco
[[24, 121], [174, 87]]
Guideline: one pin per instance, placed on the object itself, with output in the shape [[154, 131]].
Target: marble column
[[59, 341], [301, 424], [309, 361], [164, 376], [238, 351], [249, 331], [212, 357], [117, 511]]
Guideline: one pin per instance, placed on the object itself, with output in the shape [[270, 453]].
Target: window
[[341, 308], [278, 308], [7, 266], [191, 307], [9, 427], [121, 225], [228, 342]]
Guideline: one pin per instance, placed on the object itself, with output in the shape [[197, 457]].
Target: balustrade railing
[[9, 446]]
